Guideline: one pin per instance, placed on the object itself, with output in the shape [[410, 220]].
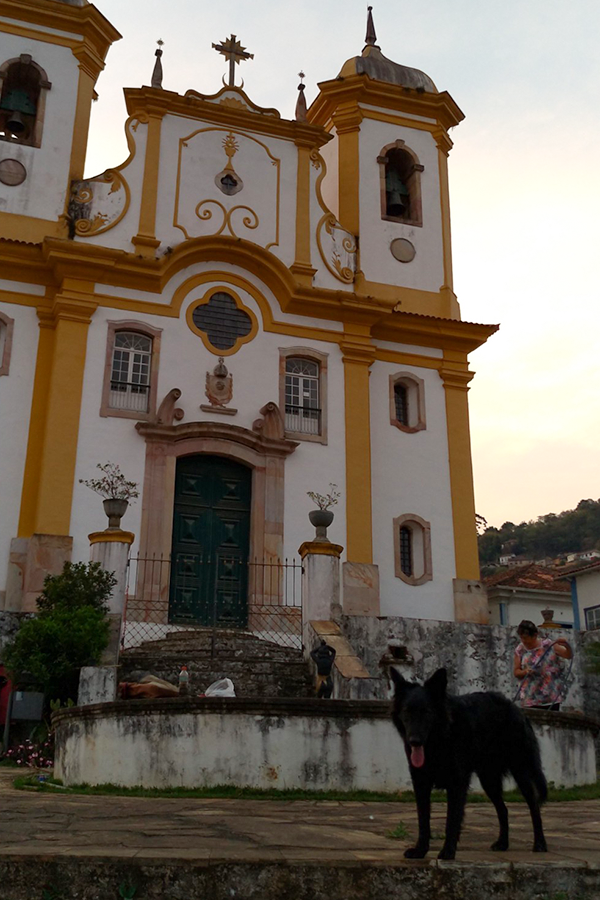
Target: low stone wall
[[308, 744], [477, 657]]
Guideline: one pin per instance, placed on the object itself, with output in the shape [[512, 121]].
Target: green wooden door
[[211, 538]]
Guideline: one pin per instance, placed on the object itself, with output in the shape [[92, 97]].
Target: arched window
[[22, 100], [6, 333], [407, 402], [303, 393], [412, 549], [131, 370], [400, 177]]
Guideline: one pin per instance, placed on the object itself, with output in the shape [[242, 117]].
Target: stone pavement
[[87, 847]]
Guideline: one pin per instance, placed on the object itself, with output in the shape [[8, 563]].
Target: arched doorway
[[211, 542]]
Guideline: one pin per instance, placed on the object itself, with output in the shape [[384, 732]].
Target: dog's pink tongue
[[417, 757]]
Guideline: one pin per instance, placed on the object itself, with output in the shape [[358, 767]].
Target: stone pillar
[[111, 549], [320, 582]]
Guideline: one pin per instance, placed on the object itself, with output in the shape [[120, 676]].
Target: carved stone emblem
[[219, 389]]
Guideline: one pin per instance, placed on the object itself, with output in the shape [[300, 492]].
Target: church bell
[[15, 124]]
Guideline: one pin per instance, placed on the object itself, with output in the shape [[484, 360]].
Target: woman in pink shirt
[[538, 664]]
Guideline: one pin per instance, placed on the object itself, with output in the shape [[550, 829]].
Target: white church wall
[[43, 193], [15, 408], [184, 363], [426, 271], [189, 198], [410, 474]]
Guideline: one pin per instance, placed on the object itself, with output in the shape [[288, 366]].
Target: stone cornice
[[85, 21], [362, 89], [154, 101], [215, 430]]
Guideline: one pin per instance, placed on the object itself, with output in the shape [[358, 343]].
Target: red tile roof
[[533, 578]]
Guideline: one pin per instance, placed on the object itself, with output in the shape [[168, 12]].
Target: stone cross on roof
[[234, 52]]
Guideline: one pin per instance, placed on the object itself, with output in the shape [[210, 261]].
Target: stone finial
[[301, 103], [271, 425], [167, 411], [157, 74], [371, 37]]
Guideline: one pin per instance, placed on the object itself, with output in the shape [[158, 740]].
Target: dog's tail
[[524, 753], [536, 772]]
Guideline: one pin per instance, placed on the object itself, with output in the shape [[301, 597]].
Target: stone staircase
[[258, 668]]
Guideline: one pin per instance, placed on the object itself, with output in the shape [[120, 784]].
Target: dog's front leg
[[457, 797], [423, 798]]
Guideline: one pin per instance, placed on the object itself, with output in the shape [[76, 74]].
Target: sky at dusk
[[525, 190]]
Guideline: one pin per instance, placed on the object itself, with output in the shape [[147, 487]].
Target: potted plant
[[322, 517], [115, 489]]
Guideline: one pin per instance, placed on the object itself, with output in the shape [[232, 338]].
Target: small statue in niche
[[219, 385]]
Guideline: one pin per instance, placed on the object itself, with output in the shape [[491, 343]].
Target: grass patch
[[227, 792], [399, 833]]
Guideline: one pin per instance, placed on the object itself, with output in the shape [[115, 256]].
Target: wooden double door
[[211, 542]]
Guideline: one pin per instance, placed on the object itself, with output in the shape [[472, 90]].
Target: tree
[[71, 631]]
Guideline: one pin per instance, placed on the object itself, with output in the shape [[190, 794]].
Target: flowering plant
[[324, 501], [112, 485], [36, 756]]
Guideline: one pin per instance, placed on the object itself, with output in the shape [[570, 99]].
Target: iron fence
[[272, 610]]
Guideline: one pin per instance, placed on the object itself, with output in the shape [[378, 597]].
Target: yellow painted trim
[[347, 123], [37, 425], [303, 254], [456, 380], [32, 34], [269, 324], [193, 106], [15, 227], [358, 354], [398, 119], [203, 335], [445, 212], [55, 410], [145, 240], [183, 142], [84, 21], [81, 125], [398, 357], [111, 537], [319, 548]]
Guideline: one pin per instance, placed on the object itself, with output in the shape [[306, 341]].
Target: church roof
[[373, 63]]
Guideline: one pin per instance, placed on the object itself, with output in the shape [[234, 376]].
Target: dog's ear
[[437, 684], [400, 683]]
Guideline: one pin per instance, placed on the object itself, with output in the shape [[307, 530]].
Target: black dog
[[448, 738]]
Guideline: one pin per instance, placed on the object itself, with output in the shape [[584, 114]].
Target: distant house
[[584, 583], [583, 556], [524, 591], [515, 562]]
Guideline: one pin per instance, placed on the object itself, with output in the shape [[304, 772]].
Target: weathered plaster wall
[[312, 745], [10, 623], [477, 657]]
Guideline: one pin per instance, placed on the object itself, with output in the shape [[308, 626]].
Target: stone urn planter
[[321, 519], [115, 510]]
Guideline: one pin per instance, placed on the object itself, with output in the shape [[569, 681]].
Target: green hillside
[[552, 535]]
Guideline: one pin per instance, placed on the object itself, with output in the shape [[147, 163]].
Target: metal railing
[[126, 395], [302, 419], [272, 610]]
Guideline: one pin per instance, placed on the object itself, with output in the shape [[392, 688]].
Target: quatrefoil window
[[223, 323]]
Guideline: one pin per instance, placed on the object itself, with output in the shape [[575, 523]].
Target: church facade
[[246, 309]]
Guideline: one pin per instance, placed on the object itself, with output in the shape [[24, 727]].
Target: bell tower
[[52, 54], [389, 154]]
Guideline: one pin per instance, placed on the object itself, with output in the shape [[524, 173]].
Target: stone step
[[258, 668]]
